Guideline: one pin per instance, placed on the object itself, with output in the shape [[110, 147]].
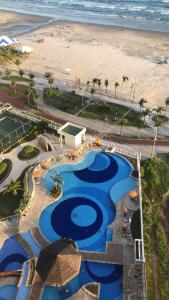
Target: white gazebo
[[72, 135], [24, 49], [7, 41]]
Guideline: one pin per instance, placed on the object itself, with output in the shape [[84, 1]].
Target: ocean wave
[[101, 11]]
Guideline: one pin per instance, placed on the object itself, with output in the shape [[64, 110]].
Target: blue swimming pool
[[88, 204], [108, 275], [12, 255], [8, 292]]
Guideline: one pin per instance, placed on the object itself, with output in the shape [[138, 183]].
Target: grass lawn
[[16, 95], [9, 202], [28, 152], [109, 112], [112, 112], [65, 101], [17, 78], [160, 118], [3, 86], [5, 169]]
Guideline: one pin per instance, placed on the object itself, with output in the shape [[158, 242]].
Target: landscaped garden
[[161, 118], [65, 101], [11, 197], [5, 169], [110, 112], [28, 152]]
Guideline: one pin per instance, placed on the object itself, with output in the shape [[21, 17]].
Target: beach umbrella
[[98, 141], [73, 153], [43, 164], [133, 194], [36, 174]]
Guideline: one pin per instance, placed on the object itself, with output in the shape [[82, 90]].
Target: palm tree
[[35, 97], [94, 81], [92, 91], [145, 113], [159, 110], [13, 187], [17, 63], [58, 181], [99, 82], [166, 104], [13, 84], [48, 75], [124, 79], [31, 76], [50, 82], [106, 83], [30, 90], [123, 123], [116, 85], [142, 102], [7, 73], [21, 73], [140, 128], [157, 125]]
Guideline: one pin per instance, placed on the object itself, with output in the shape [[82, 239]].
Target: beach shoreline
[[40, 21], [105, 52], [16, 24]]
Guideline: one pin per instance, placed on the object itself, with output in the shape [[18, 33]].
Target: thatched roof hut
[[58, 263]]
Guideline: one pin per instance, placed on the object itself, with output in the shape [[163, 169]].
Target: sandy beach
[[91, 51]]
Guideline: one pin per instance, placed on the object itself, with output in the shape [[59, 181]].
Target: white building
[[72, 135]]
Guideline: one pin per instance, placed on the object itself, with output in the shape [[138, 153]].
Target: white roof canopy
[[24, 49], [7, 41]]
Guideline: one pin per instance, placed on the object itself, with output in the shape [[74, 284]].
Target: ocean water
[[143, 14]]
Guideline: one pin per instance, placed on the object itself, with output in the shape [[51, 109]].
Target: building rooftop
[[73, 130]]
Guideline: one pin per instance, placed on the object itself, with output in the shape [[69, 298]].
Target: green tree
[[92, 91], [13, 85], [50, 82], [106, 83], [142, 102], [7, 73], [124, 79], [158, 123], [17, 62], [123, 123], [21, 73], [31, 76], [48, 75], [116, 85], [13, 187], [166, 104], [145, 113]]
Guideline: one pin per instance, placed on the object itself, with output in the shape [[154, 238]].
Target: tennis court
[[12, 128]]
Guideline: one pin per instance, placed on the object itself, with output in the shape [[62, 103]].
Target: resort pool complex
[[88, 204], [83, 213]]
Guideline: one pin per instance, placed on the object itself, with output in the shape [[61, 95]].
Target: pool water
[[87, 207], [108, 275], [91, 191]]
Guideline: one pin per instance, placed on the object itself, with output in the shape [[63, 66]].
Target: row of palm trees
[[98, 81]]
